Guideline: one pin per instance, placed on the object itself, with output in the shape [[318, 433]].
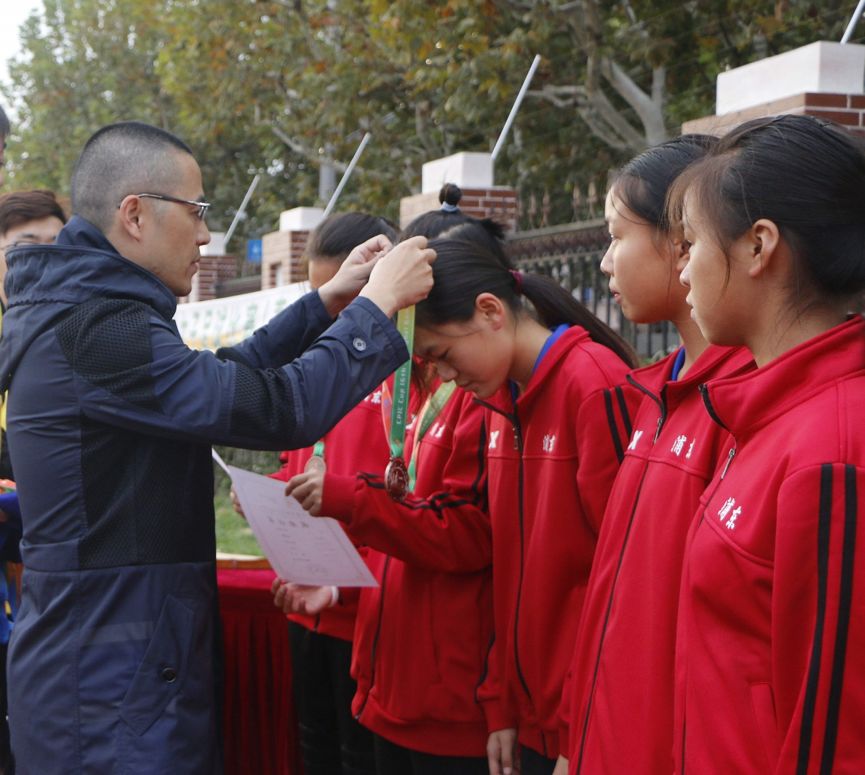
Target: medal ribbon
[[401, 383], [318, 449], [431, 409]]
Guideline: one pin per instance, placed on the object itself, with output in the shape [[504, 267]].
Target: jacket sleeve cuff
[[337, 498], [384, 323], [497, 717]]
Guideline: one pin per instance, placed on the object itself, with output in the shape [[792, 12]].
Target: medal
[[315, 463], [316, 460], [396, 478]]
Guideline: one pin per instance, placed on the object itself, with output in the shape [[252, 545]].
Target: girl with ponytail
[[547, 373], [622, 671], [772, 614]]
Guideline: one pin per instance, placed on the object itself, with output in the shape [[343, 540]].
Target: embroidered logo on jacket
[[494, 439], [549, 442], [635, 439], [437, 430], [679, 446], [731, 510]]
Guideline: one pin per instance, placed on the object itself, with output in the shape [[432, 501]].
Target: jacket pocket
[[161, 672], [763, 705]]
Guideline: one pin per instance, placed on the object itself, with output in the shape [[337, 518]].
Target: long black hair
[[470, 261], [337, 235], [804, 174]]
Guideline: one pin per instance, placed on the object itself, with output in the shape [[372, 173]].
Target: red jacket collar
[[654, 378], [502, 402], [749, 401]]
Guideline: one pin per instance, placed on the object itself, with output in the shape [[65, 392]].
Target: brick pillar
[[215, 267], [282, 252], [472, 172], [822, 79]]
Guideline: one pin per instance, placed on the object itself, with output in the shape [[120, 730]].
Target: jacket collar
[[80, 265], [745, 402], [502, 400], [654, 379]]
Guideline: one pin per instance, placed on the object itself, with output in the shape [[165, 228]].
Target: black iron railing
[[571, 254]]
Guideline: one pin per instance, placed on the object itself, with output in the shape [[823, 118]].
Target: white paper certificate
[[301, 548]]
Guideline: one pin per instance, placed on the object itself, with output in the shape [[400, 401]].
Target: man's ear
[[129, 217], [491, 309], [763, 241]]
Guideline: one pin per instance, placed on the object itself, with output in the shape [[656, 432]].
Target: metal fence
[[571, 254]]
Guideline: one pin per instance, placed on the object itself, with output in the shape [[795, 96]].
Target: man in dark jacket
[[113, 663]]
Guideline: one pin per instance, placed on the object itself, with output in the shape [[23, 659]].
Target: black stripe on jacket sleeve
[[845, 599], [823, 533], [614, 430]]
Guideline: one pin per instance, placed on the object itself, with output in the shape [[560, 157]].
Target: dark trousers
[[392, 759], [331, 741], [532, 763]]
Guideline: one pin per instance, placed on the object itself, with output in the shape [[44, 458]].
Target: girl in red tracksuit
[[330, 738], [619, 696], [558, 425], [770, 670], [422, 638]]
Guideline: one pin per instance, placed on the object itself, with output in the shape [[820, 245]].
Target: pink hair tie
[[518, 280]]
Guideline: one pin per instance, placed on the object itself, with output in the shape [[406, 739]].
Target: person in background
[[26, 218], [331, 740]]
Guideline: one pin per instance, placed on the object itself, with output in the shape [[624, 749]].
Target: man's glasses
[[200, 207]]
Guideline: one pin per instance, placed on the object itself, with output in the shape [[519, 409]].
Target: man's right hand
[[502, 752], [402, 277]]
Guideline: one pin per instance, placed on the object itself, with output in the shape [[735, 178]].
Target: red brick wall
[[846, 109], [499, 203], [283, 249]]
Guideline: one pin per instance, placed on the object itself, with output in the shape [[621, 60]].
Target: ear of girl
[[769, 669], [622, 666], [549, 374]]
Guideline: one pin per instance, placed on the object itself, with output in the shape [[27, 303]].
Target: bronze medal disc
[[396, 478], [315, 463]]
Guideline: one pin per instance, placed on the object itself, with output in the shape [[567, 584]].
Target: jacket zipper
[[704, 391], [662, 404], [375, 639]]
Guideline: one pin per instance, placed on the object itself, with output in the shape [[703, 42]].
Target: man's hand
[[502, 752], [352, 275], [293, 598], [307, 488], [401, 278]]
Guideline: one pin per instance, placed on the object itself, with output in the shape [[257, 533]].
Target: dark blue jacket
[[113, 659]]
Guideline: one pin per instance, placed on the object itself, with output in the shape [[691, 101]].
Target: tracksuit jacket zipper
[[704, 392], [662, 405]]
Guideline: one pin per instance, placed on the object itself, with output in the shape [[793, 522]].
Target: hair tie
[[518, 280], [447, 207]]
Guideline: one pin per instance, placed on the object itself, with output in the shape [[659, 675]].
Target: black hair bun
[[450, 194]]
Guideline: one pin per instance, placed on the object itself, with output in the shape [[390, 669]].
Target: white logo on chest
[[494, 439], [549, 442], [731, 510], [635, 439]]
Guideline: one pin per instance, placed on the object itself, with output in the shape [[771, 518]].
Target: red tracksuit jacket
[[422, 638], [771, 648], [356, 443], [552, 456], [622, 672]]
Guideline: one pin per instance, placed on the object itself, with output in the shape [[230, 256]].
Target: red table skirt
[[260, 726]]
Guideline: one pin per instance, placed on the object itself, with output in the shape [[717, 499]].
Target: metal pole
[[522, 93], [854, 20], [242, 208], [347, 174]]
